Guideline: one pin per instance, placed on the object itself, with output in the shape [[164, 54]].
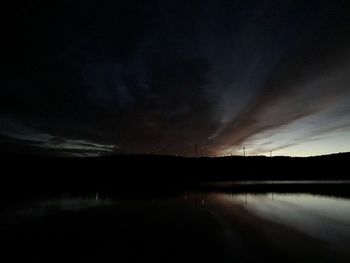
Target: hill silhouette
[[32, 175]]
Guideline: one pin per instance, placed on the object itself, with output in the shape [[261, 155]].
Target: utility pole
[[243, 151], [270, 153]]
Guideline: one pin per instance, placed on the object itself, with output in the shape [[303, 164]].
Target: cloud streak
[[20, 133], [162, 76], [297, 88]]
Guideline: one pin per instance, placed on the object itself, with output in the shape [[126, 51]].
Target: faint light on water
[[58, 205], [323, 217]]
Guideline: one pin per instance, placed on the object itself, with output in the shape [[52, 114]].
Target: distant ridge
[[15, 149], [26, 176]]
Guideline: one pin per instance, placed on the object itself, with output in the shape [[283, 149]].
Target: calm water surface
[[220, 226], [324, 217]]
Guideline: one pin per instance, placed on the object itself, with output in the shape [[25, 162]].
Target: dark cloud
[[159, 76], [18, 133], [313, 78]]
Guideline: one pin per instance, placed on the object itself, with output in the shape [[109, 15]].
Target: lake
[[229, 225]]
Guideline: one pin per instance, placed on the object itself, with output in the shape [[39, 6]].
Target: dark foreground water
[[210, 226]]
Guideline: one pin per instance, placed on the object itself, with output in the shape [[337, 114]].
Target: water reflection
[[58, 205], [194, 226], [277, 182], [322, 217]]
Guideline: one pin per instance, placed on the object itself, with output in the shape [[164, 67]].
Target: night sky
[[81, 77]]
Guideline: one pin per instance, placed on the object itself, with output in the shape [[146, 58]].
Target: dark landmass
[[158, 208], [32, 175]]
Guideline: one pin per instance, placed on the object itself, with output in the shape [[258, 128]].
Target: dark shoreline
[[146, 223], [30, 176]]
